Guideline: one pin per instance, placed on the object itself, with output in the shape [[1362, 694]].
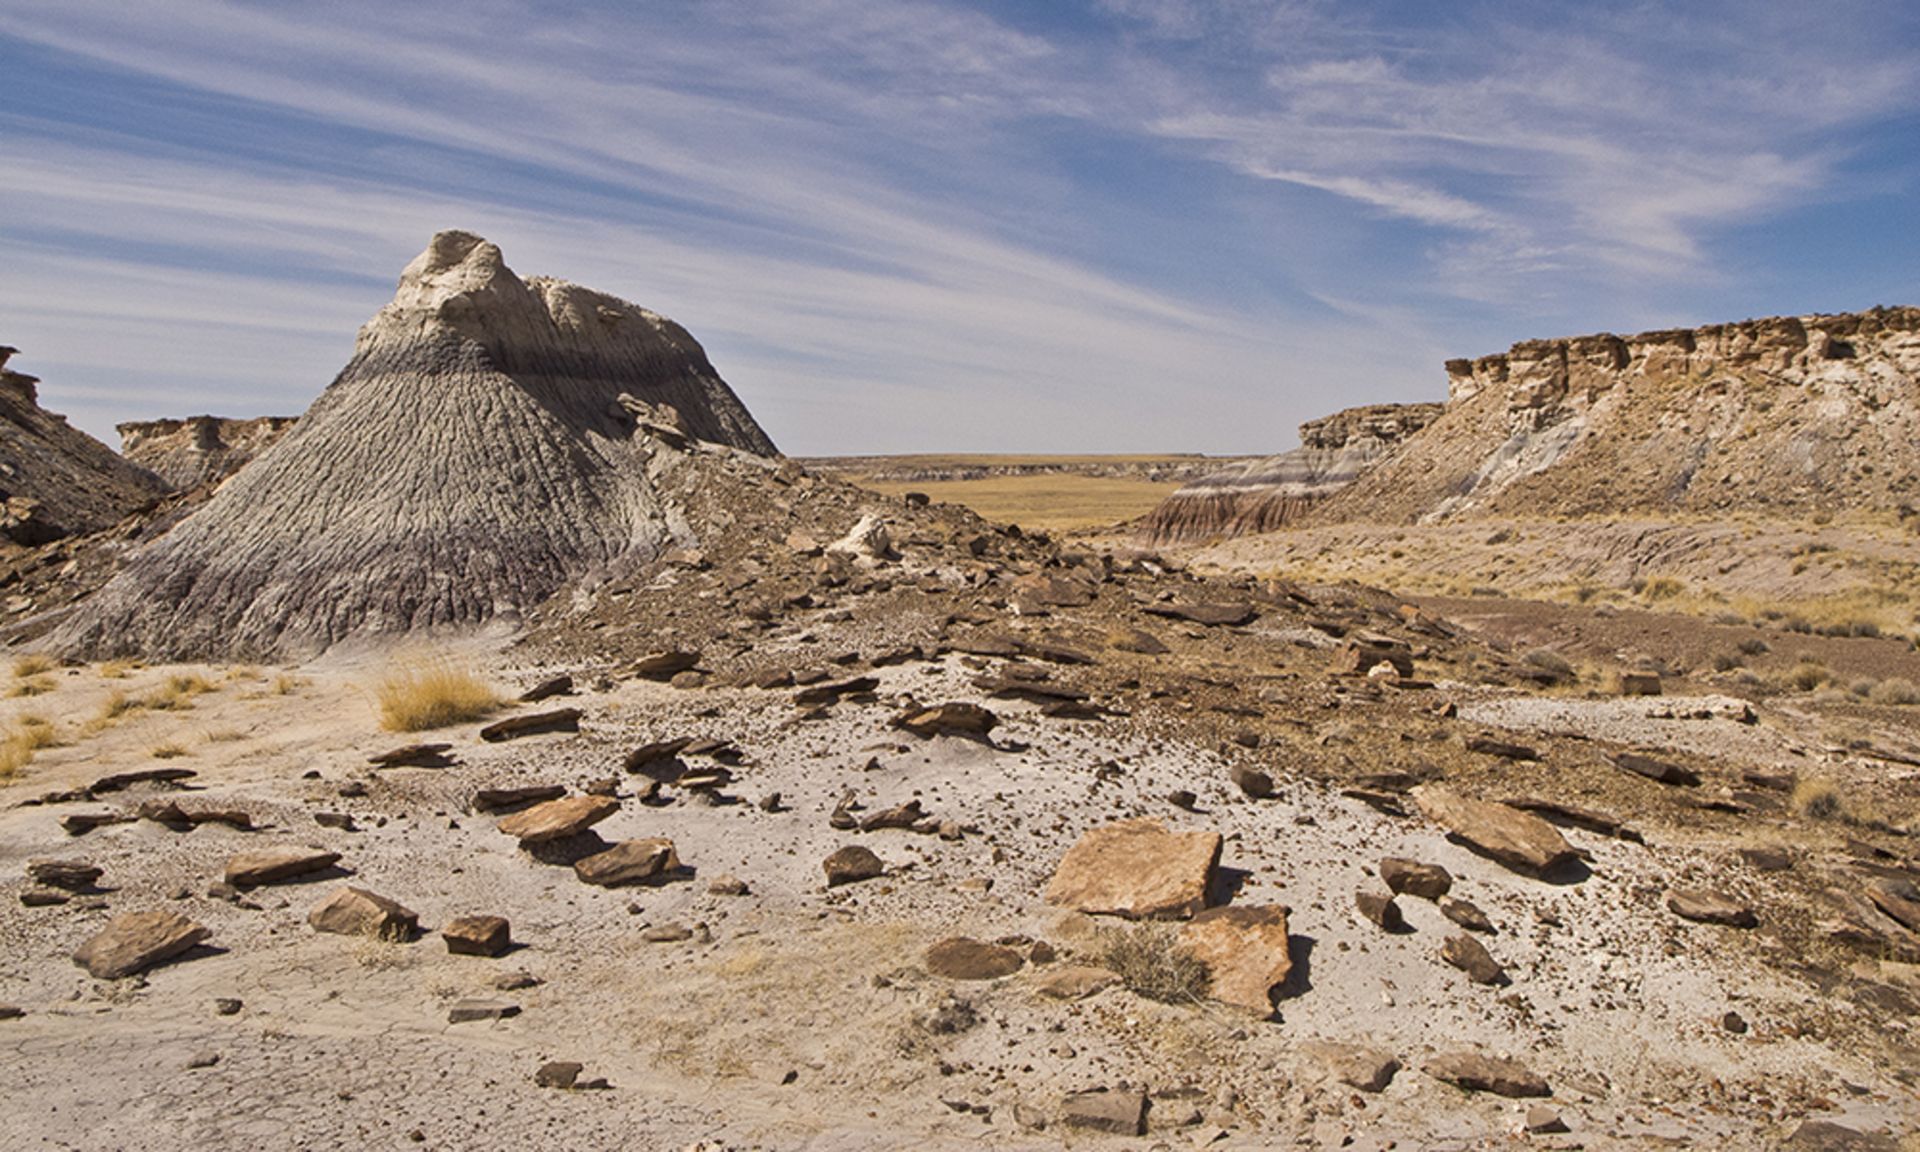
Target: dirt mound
[[1790, 414], [199, 449], [1266, 494], [491, 439], [57, 481]]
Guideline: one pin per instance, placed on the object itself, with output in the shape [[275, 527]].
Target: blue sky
[[913, 225]]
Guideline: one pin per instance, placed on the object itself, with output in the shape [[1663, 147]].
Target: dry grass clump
[[433, 694], [32, 664], [177, 693], [118, 669], [31, 686], [1896, 691], [1818, 798], [167, 751], [1551, 663], [1150, 962], [17, 747]]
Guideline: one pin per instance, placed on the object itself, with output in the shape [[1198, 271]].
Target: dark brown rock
[[274, 865], [1472, 957], [415, 756], [502, 799], [558, 819], [1709, 907], [1355, 1065], [1412, 878], [956, 719], [851, 864], [135, 941], [467, 1011], [1379, 908], [1479, 1072], [1898, 897], [1465, 914], [665, 665], [1660, 771], [478, 935], [629, 862], [533, 724], [70, 875], [1255, 783], [1488, 746], [1230, 613], [547, 689]]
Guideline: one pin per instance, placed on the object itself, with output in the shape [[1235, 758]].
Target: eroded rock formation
[[491, 439], [1270, 493], [55, 480], [1789, 414], [199, 449]]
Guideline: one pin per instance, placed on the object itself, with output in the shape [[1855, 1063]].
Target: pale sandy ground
[[344, 1043]]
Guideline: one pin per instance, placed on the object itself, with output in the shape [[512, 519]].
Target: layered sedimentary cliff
[[491, 439], [1788, 414], [199, 449], [56, 480], [1270, 493]]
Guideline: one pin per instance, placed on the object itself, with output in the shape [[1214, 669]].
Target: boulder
[[1710, 907], [1380, 909], [1137, 869], [68, 875], [478, 935], [1479, 1072], [1656, 770], [1465, 914], [414, 756], [665, 665], [135, 941], [851, 864], [628, 862], [1229, 614], [1246, 953], [1136, 640], [1412, 878], [274, 865], [959, 719], [1517, 839], [358, 912], [501, 799], [963, 958], [1251, 781], [465, 1011], [558, 819]]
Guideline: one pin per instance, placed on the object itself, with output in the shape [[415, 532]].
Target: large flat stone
[[1520, 840], [1479, 1072], [628, 862], [273, 865], [135, 941], [558, 819], [358, 912], [1137, 869], [1245, 951]]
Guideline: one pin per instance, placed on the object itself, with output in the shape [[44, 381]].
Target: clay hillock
[[55, 480], [491, 439], [1787, 415], [1269, 493], [199, 449]]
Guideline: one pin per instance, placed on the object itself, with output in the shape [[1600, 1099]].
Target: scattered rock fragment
[[547, 689], [1659, 771], [358, 912], [467, 1011], [120, 781], [851, 864], [1479, 1072], [1472, 957], [1120, 1112], [1412, 878], [11, 1012], [1074, 981], [1827, 1136], [1246, 953], [1136, 640], [1709, 907], [275, 865], [1542, 1119], [665, 665], [68, 875], [558, 1074], [478, 935], [503, 799], [963, 958], [831, 693], [558, 819], [1137, 869], [228, 1006], [1466, 914], [1213, 615], [957, 719], [1251, 781], [1520, 840], [415, 756], [135, 941], [1379, 908], [533, 724], [1488, 746], [629, 862], [1898, 897]]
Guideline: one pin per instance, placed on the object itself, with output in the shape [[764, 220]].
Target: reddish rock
[[135, 941], [358, 912], [1137, 869], [1246, 953], [1519, 840], [274, 865], [628, 862], [478, 935]]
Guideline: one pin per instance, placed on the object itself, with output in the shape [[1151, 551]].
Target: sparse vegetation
[[31, 686], [432, 695], [1661, 588], [32, 664], [167, 751], [178, 692], [1897, 691], [1150, 962], [1818, 798]]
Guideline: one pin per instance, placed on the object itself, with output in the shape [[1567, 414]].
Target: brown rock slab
[[1137, 869], [1251, 781], [414, 756], [358, 912], [1412, 878], [1246, 953], [963, 958], [1898, 898], [119, 781], [956, 719], [1659, 771], [1074, 981], [1355, 1065], [851, 864], [501, 799], [1227, 614], [1472, 957], [1379, 908], [665, 665], [1505, 750], [478, 935], [135, 941], [628, 862], [830, 693], [1466, 914], [558, 819], [1136, 640], [466, 1011], [1708, 907], [1827, 1136], [1479, 1072], [1122, 1113], [547, 689], [1520, 840], [558, 1073], [70, 875], [532, 724], [273, 865]]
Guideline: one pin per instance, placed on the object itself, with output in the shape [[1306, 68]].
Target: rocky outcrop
[[1788, 414], [199, 449], [1266, 494], [491, 439], [55, 480]]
